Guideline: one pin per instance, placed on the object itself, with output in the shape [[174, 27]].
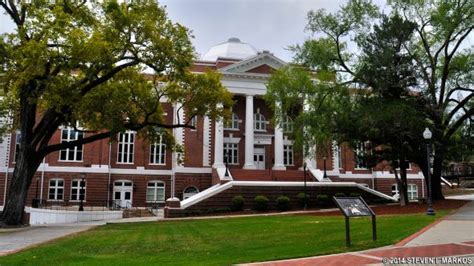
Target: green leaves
[[87, 62]]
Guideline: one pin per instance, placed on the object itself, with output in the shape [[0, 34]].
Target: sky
[[265, 24]]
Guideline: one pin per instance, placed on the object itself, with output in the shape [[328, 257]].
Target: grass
[[218, 241]]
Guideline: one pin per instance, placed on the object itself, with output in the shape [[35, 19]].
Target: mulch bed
[[411, 208]]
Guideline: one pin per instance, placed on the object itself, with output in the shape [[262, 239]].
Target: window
[[56, 189], [125, 147], [71, 154], [193, 122], [339, 155], [76, 190], [189, 192], [17, 145], [155, 191], [288, 154], [158, 151], [231, 153], [287, 124], [412, 191], [394, 189], [360, 153], [259, 122], [233, 123]]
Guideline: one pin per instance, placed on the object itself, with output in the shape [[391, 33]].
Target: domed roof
[[233, 48]]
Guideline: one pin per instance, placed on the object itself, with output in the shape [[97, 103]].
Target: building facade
[[134, 172]]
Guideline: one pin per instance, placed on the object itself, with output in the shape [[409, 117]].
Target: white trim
[[263, 58], [130, 171], [206, 135], [374, 174], [231, 140]]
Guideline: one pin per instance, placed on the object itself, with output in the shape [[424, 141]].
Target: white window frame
[[232, 150], [412, 191], [339, 156], [158, 152], [126, 157], [56, 188], [193, 122], [233, 123], [72, 135], [157, 185], [190, 194], [288, 155], [17, 145], [361, 147], [77, 188], [259, 122], [287, 124]]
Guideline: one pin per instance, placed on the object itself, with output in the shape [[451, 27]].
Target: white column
[[219, 145], [249, 138], [335, 157], [206, 141], [278, 148]]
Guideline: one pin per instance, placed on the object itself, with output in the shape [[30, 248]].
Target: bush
[[322, 200], [260, 203], [339, 194], [301, 199], [238, 203], [283, 203], [354, 194]]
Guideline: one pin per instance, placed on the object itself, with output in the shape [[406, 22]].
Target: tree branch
[[453, 127]]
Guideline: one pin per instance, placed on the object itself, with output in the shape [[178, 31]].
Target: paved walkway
[[450, 241]]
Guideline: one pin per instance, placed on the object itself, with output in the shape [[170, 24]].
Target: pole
[[348, 232], [305, 191], [374, 228], [325, 176], [430, 210], [82, 193]]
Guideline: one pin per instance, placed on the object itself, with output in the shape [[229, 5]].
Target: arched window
[[155, 191], [259, 122], [233, 123], [189, 192], [287, 124]]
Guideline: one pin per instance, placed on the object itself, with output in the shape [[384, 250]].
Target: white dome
[[233, 48]]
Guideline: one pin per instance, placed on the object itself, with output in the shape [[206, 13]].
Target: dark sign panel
[[353, 207]]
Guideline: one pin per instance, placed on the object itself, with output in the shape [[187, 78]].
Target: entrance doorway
[[123, 193], [259, 158]]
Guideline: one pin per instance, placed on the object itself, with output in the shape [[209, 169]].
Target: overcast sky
[[266, 24]]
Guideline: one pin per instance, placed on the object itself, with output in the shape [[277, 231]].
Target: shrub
[[238, 203], [283, 203], [301, 199], [322, 200], [339, 194], [354, 194], [260, 203]]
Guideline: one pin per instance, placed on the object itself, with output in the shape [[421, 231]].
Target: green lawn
[[217, 241]]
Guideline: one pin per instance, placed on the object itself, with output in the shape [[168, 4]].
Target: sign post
[[355, 207]]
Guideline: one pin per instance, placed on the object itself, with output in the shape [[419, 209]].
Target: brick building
[[133, 172]]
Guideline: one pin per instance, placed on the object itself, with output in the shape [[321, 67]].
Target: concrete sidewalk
[[451, 239]]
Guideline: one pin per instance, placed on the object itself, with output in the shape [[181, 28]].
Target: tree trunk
[[401, 192], [404, 181], [25, 168], [437, 192]]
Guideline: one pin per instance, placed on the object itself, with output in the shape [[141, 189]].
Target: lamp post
[[226, 156], [325, 176], [427, 136], [82, 192], [305, 194]]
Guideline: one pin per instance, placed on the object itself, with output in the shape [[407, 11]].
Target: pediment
[[263, 63]]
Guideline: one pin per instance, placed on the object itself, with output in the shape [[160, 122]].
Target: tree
[[438, 50], [71, 61]]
